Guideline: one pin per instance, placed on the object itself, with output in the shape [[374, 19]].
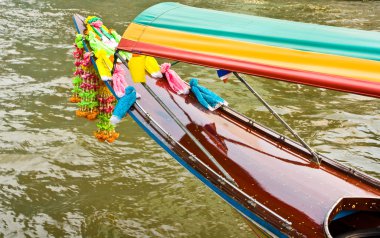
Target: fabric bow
[[119, 83], [206, 97], [175, 82], [123, 105]]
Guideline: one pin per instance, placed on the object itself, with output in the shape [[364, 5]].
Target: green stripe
[[261, 30]]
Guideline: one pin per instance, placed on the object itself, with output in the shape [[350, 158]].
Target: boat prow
[[275, 183]]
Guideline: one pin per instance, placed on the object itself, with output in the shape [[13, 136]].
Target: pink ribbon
[[175, 82], [119, 83]]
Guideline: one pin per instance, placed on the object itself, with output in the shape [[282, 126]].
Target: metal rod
[[192, 137], [274, 113], [179, 123]]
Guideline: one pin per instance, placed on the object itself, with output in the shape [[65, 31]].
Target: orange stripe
[[366, 70]]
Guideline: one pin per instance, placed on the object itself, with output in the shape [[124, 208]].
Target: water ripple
[[56, 180]]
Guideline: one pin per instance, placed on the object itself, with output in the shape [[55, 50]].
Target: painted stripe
[[303, 77], [266, 31], [360, 69]]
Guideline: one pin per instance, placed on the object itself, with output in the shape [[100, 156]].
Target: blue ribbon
[[206, 97]]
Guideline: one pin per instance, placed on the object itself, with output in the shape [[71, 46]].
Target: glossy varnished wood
[[277, 175]]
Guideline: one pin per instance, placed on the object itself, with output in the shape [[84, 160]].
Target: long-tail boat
[[282, 186]]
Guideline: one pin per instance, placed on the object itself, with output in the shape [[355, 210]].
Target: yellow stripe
[[361, 69]]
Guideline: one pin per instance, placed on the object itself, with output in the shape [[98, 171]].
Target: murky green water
[[56, 180]]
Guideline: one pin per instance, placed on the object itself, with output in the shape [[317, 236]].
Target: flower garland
[[92, 96], [106, 131], [88, 106]]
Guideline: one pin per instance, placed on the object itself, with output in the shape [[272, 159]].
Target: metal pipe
[[192, 137], [274, 113], [179, 123]]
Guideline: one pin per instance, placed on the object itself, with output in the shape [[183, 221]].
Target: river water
[[56, 180]]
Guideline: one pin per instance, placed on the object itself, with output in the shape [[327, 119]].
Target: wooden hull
[[280, 176], [279, 188]]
